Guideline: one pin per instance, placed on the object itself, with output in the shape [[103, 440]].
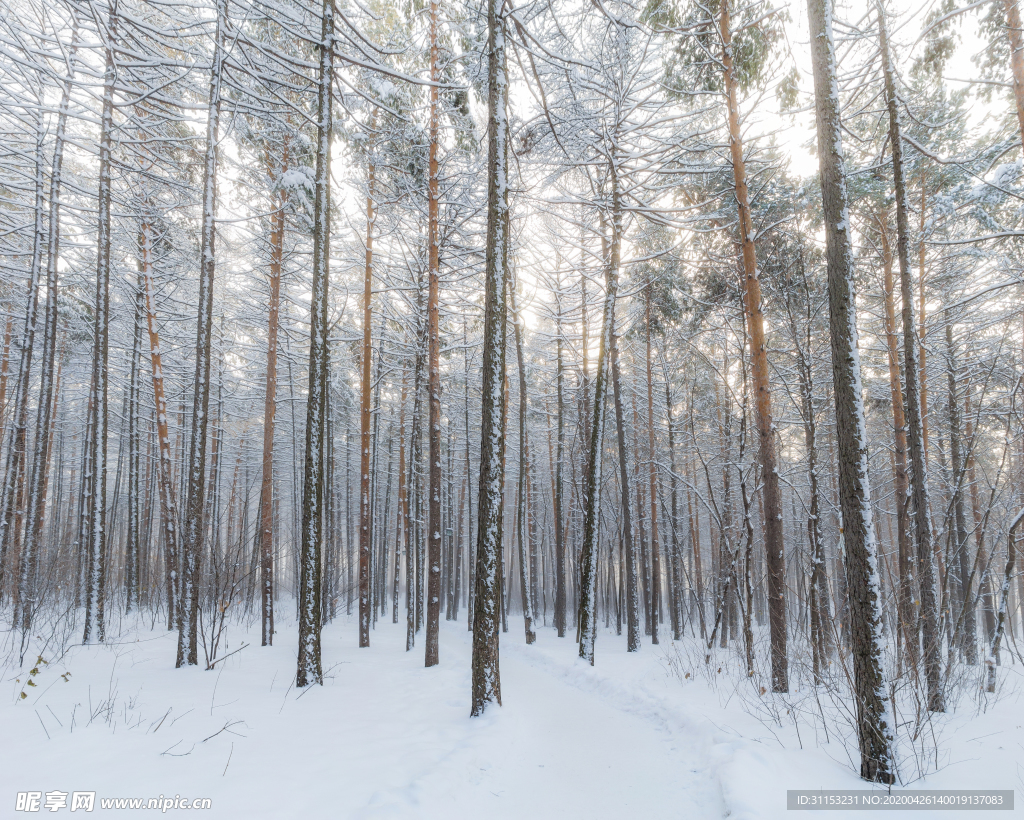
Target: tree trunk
[[39, 469], [629, 547], [875, 727], [587, 617], [309, 665], [365, 421], [760, 375], [524, 469], [919, 472], [266, 516], [96, 535], [992, 657], [194, 529], [905, 607], [966, 628], [486, 681], [434, 523], [1015, 33], [653, 470], [559, 457]]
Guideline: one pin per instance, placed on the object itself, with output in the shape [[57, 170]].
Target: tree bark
[[905, 607], [919, 472], [266, 517], [434, 523], [309, 664], [875, 727], [774, 549], [486, 681], [365, 422], [96, 535], [195, 489]]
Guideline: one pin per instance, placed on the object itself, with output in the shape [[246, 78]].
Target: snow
[[647, 734]]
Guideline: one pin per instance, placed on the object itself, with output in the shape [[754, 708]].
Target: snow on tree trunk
[[875, 726], [486, 683], [309, 666], [918, 465], [195, 488]]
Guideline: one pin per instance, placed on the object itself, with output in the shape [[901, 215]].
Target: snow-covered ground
[[386, 738]]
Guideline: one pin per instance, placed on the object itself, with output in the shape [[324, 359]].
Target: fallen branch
[[214, 663]]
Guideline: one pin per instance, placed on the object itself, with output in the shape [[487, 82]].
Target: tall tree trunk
[[195, 489], [524, 469], [486, 681], [559, 458], [309, 665], [403, 495], [96, 515], [365, 421], [434, 523], [266, 516], [629, 547], [39, 469], [919, 470], [1015, 33], [759, 372], [966, 628], [133, 546], [988, 603], [653, 470], [875, 726], [165, 458], [905, 607], [587, 615]]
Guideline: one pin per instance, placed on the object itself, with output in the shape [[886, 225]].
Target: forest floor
[[651, 734]]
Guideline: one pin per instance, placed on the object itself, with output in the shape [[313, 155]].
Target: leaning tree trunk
[[775, 557], [309, 666], [875, 726], [919, 469], [992, 656], [486, 680], [165, 458]]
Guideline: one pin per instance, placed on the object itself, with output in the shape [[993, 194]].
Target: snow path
[[386, 738], [383, 738]]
